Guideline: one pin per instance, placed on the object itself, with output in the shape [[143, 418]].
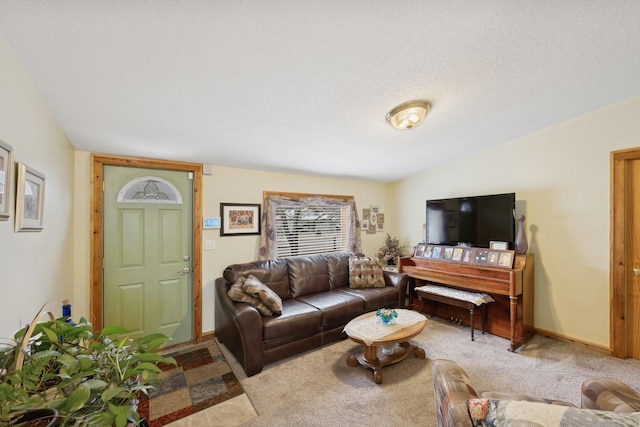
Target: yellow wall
[[36, 268], [561, 179]]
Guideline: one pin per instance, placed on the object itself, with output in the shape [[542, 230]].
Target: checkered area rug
[[202, 379]]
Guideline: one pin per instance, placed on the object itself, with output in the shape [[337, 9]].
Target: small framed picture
[[447, 253], [500, 246], [6, 179], [437, 252], [457, 254], [505, 259], [428, 251], [239, 219], [481, 256], [29, 199], [419, 251], [468, 255], [492, 258]]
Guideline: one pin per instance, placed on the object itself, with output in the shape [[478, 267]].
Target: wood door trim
[[97, 232], [619, 253]]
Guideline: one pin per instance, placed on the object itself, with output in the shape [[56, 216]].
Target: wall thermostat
[[211, 223]]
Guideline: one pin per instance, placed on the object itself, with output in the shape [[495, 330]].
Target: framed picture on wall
[[238, 219], [29, 199], [6, 179]]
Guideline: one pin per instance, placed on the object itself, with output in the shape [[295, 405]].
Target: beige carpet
[[317, 388]]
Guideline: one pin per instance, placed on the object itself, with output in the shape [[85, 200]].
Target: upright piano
[[510, 316]]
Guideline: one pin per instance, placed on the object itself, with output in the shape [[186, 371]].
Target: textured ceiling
[[303, 86]]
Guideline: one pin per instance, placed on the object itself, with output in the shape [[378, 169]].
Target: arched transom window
[[149, 189]]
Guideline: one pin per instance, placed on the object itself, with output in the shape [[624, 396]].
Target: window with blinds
[[311, 229]]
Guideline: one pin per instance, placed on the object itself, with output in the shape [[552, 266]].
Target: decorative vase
[[391, 261], [522, 246], [386, 315]]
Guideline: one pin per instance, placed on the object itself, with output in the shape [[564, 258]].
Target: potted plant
[[391, 250], [91, 377]]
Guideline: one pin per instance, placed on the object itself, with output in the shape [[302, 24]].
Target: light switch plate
[[209, 245]]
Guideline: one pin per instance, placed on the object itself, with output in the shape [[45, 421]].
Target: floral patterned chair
[[604, 402]]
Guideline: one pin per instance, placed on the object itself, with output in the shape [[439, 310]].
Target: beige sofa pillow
[[236, 293], [259, 290], [365, 272]]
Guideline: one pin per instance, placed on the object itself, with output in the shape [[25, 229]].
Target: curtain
[[268, 235]]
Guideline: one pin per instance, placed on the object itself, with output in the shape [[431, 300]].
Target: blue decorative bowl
[[386, 315]]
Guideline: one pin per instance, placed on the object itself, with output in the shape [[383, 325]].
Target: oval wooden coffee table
[[388, 349]]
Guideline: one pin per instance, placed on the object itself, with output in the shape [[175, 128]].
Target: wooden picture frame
[[29, 199], [505, 259], [468, 255], [481, 256], [437, 252], [428, 251], [239, 219], [6, 180]]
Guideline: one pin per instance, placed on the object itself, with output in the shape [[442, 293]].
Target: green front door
[[147, 251]]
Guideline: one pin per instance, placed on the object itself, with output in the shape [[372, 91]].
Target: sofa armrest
[[239, 327], [609, 394], [400, 281], [452, 389]]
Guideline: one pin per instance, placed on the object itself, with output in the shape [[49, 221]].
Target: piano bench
[[455, 297]]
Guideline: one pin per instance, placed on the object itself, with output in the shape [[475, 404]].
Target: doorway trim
[[620, 230], [97, 232]]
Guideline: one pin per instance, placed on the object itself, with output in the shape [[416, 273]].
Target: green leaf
[[108, 394], [95, 384], [113, 330], [146, 366], [77, 399]]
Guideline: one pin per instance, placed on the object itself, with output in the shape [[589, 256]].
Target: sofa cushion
[[494, 412], [259, 290], [365, 272], [335, 306], [238, 294], [308, 275], [375, 298], [297, 319], [273, 273], [338, 267]]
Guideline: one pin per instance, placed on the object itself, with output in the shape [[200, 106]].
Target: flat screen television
[[473, 221]]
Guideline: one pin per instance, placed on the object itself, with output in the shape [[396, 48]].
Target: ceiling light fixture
[[408, 115]]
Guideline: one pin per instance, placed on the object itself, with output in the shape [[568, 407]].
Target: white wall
[[36, 268], [561, 179]]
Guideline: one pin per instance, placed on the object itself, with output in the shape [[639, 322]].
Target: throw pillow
[[259, 290], [236, 293], [365, 272]]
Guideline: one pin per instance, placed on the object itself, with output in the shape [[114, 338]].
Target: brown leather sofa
[[317, 303]]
